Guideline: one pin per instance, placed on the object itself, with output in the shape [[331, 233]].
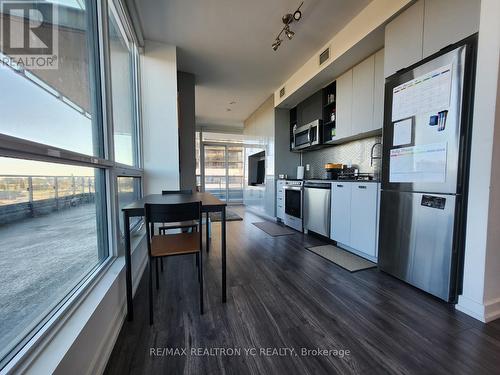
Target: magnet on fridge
[[433, 120], [442, 120]]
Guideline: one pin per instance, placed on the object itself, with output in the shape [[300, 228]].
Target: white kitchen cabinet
[[425, 28], [364, 211], [404, 39], [363, 76], [340, 223], [447, 22], [344, 106], [378, 91], [280, 199], [354, 216]]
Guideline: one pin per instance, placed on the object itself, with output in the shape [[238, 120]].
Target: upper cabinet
[[363, 76], [352, 106], [425, 28], [378, 91], [404, 39], [344, 106], [360, 98], [449, 21]]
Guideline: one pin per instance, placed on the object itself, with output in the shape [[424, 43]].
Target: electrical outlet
[[308, 167]]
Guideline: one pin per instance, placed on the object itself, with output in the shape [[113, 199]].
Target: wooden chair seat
[[175, 244]]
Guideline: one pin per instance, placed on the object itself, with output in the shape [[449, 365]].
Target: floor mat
[[342, 258], [230, 216], [274, 229]]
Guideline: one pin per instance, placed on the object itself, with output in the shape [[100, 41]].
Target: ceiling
[[227, 45]]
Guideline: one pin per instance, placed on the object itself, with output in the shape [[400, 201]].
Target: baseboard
[[471, 308], [136, 279], [485, 313], [101, 360], [104, 353], [492, 310]]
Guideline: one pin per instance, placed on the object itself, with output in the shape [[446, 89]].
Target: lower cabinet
[[364, 210], [340, 227], [354, 221]]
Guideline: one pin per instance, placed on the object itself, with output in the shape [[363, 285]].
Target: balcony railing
[[218, 186], [28, 196]]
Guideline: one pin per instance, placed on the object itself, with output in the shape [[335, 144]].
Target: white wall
[[159, 110], [259, 129], [481, 294]]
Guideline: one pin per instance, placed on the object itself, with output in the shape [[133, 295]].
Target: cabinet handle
[[340, 185], [361, 187]]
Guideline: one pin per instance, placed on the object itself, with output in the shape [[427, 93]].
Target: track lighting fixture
[[287, 20], [276, 44], [297, 15]]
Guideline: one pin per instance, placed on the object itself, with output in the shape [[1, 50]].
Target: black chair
[[181, 191], [165, 245], [178, 225]]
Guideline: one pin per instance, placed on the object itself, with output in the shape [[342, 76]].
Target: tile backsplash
[[356, 153]]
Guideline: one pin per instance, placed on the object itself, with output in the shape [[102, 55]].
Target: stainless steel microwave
[[307, 135]]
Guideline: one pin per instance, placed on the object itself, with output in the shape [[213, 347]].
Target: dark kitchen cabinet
[[329, 111], [310, 109]]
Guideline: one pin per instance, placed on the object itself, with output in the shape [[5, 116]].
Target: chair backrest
[[167, 213], [182, 191]]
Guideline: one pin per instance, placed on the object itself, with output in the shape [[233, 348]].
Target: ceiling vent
[[282, 92], [323, 56]]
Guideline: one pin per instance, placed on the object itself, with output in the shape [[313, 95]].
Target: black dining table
[[209, 203]]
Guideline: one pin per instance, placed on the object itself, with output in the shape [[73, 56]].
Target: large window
[[122, 85], [57, 163], [53, 234], [62, 102], [129, 190], [219, 159]]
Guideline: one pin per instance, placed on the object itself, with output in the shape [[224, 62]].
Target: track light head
[[297, 15], [276, 44], [289, 33], [287, 18]]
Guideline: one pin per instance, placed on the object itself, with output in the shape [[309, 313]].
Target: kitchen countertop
[[327, 180]]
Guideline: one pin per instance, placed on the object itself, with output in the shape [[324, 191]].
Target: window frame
[[116, 10], [123, 170], [14, 147]]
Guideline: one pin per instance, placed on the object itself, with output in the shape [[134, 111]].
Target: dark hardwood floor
[[280, 295]]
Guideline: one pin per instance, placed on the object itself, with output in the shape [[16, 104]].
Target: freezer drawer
[[416, 240]]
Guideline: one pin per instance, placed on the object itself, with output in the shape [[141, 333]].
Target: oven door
[[293, 201]]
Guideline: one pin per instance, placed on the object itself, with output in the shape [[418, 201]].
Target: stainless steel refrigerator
[[426, 146]]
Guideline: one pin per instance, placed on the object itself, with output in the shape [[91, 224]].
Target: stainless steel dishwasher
[[317, 207]]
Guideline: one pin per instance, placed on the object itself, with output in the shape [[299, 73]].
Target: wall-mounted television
[[257, 169]]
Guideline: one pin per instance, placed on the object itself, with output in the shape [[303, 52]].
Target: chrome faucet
[[372, 157]]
